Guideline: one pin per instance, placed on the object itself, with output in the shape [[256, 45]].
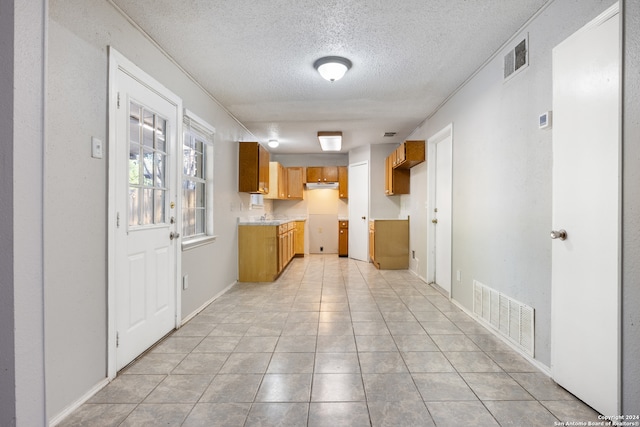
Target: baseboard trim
[[206, 304], [75, 405]]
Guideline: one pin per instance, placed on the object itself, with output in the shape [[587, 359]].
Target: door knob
[[559, 234], [173, 235], [434, 220], [364, 217]]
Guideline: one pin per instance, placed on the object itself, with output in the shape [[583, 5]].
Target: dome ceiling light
[[332, 68], [273, 143]]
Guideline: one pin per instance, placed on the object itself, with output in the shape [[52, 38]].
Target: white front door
[[359, 211], [147, 218], [440, 175], [585, 312]]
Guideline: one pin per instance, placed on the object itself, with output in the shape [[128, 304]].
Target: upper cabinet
[[253, 168], [343, 182], [295, 182], [277, 181], [285, 183], [322, 174], [397, 165]]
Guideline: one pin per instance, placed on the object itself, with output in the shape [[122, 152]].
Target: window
[[197, 181]]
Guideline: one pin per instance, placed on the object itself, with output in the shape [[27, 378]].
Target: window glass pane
[[147, 129], [189, 194], [188, 162], [147, 206], [134, 123], [134, 164], [199, 229], [159, 170], [147, 160], [200, 195], [134, 206], [199, 161], [161, 132], [189, 222], [159, 206]]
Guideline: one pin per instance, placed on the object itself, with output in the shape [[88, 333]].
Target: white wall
[[75, 238], [502, 172]]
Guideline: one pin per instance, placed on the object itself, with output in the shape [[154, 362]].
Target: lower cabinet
[[343, 238], [389, 243], [299, 239], [264, 251]]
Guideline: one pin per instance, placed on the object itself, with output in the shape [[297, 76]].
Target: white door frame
[[446, 132], [117, 62], [353, 218]]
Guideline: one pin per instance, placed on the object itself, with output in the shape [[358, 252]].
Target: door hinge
[[118, 219], [117, 339], [118, 103]]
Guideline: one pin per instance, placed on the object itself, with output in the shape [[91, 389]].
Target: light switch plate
[[96, 148]]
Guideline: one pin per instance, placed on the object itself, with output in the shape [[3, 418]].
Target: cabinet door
[[343, 182], [388, 176], [299, 238], [294, 183], [400, 155], [314, 174], [372, 244], [263, 170], [330, 174]]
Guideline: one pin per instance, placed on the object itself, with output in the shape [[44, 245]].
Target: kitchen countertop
[[270, 221]]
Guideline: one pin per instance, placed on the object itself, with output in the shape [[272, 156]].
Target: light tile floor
[[333, 342]]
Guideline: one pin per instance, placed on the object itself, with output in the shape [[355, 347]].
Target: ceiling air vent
[[516, 59], [389, 134]]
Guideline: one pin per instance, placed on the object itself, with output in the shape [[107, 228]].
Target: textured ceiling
[[256, 58]]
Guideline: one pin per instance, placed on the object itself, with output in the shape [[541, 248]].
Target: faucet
[[263, 217]]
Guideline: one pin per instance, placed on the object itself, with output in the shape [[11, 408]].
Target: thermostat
[[545, 120]]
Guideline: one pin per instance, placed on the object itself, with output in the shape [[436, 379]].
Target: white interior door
[[439, 200], [146, 243], [442, 214], [359, 211], [585, 315]]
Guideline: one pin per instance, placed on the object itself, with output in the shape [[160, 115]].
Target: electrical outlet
[[321, 248], [185, 282], [458, 275]]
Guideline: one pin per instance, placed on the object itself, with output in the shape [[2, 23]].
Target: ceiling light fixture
[[332, 68], [273, 143], [330, 141]]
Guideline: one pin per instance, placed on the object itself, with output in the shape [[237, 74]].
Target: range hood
[[321, 185]]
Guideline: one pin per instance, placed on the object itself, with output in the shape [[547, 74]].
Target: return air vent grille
[[389, 134], [509, 317], [516, 59]]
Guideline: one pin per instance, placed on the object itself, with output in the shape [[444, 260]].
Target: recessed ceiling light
[[332, 68]]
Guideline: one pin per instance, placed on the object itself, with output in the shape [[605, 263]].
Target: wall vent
[[517, 59], [512, 319]]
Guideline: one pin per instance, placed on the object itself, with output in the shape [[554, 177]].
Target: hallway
[[333, 342]]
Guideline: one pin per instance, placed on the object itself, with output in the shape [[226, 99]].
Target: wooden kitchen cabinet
[[322, 174], [343, 238], [409, 154], [295, 184], [397, 181], [264, 251], [299, 239], [343, 182], [397, 165], [389, 243], [253, 168], [258, 253], [277, 181]]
